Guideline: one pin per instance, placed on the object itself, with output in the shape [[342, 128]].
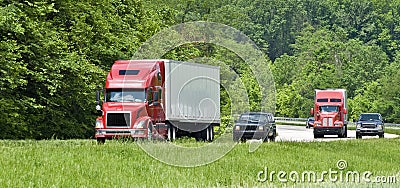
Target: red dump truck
[[159, 99], [330, 113]]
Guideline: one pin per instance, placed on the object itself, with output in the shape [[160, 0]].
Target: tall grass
[[83, 163]]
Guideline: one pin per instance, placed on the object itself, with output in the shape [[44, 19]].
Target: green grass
[[83, 163], [390, 130]]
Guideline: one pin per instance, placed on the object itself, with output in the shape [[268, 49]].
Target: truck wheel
[[358, 136], [272, 138], [171, 132], [318, 136], [382, 135], [210, 133], [345, 132], [101, 140], [149, 134]]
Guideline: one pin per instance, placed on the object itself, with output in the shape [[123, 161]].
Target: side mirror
[[384, 120], [312, 111], [354, 120], [345, 111], [98, 97], [98, 103]]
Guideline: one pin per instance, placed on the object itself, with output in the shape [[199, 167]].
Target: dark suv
[[370, 124], [310, 122], [255, 125]]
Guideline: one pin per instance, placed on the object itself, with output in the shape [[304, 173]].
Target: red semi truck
[[162, 99], [330, 113]]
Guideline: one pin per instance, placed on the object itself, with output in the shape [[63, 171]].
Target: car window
[[252, 117], [369, 117]]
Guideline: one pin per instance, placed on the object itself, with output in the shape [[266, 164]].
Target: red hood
[[118, 106]]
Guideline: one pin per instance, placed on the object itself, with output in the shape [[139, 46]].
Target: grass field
[[83, 163]]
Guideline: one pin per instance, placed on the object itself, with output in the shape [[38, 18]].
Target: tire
[[171, 132], [209, 133], [382, 135], [101, 140], [201, 135], [206, 134], [358, 136], [317, 136], [149, 134], [344, 133], [272, 138]]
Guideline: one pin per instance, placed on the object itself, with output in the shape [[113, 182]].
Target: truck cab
[[132, 102], [330, 113]]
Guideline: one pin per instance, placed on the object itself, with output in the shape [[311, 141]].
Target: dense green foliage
[[83, 163], [54, 54]]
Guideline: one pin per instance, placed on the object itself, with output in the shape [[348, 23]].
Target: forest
[[55, 54]]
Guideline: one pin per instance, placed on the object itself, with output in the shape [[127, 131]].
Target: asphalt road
[[302, 134]]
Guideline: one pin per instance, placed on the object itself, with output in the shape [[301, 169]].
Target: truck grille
[[251, 128], [327, 122], [118, 119], [368, 125]]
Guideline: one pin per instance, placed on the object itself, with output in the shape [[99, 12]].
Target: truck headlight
[[337, 124], [261, 128], [318, 125], [237, 128], [99, 124], [379, 126], [358, 126]]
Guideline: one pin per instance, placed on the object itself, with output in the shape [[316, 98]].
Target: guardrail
[[287, 119]]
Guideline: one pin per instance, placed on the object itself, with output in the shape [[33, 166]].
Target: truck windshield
[[125, 95], [328, 108], [369, 117]]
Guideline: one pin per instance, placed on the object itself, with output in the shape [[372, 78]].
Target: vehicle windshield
[[328, 108], [369, 117], [125, 95], [252, 117]]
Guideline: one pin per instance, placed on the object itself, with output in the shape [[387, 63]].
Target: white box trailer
[[192, 98]]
